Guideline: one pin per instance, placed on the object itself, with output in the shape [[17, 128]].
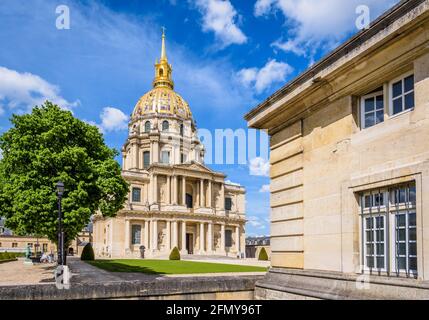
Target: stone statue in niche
[[217, 240], [161, 237], [162, 194]]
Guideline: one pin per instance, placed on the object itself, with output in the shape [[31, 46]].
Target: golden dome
[[162, 99]]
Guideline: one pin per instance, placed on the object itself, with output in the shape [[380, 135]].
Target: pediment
[[195, 167]]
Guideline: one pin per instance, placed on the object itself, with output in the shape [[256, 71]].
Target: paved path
[[17, 273]]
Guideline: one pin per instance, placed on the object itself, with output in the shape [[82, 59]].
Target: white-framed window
[[372, 109], [136, 231], [402, 94], [389, 230], [165, 157]]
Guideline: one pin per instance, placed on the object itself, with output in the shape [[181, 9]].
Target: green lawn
[[171, 267]]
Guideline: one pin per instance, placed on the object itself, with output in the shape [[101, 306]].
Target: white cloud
[[220, 17], [113, 119], [265, 188], [25, 90], [259, 167], [256, 222], [317, 24], [264, 78], [1, 109]]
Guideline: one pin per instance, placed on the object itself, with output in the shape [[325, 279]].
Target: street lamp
[[60, 192]]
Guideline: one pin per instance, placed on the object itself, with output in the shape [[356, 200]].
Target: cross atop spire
[[163, 69], [163, 50]]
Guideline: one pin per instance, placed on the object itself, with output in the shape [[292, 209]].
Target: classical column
[[146, 234], [175, 234], [151, 235], [183, 191], [222, 196], [237, 239], [168, 240], [127, 235], [202, 198], [202, 237], [209, 195], [155, 188], [222, 238], [184, 237], [210, 238], [155, 236], [168, 196], [175, 188], [150, 190]]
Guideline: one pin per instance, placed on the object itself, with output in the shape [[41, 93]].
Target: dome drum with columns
[[175, 200]]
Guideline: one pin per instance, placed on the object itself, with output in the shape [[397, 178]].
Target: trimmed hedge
[[263, 256], [10, 255], [87, 253], [175, 254]]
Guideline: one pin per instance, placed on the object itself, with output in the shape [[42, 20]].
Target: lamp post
[[60, 192]]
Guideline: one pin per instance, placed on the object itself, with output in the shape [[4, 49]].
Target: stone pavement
[[17, 273]]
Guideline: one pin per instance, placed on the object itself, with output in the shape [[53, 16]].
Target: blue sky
[[227, 56]]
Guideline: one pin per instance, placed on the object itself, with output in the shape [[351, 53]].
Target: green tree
[[46, 146], [174, 254], [263, 256], [87, 253]]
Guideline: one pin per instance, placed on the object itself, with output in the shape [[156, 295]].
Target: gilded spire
[[163, 70], [163, 51]]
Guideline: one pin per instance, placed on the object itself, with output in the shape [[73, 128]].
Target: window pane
[[369, 105], [412, 220], [367, 203], [401, 263], [397, 89], [369, 236], [380, 262], [380, 248], [412, 234], [369, 120], [401, 249], [402, 195], [409, 83], [370, 262], [369, 249], [136, 195], [397, 106], [380, 235], [412, 249], [412, 195], [380, 116], [401, 235], [369, 223], [400, 220], [409, 101], [136, 234], [379, 222], [146, 159], [379, 102], [412, 263]]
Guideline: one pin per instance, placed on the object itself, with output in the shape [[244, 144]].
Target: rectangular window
[[165, 157], [14, 245], [136, 197], [228, 204], [402, 94], [389, 230], [146, 159], [228, 238], [45, 247], [182, 158], [372, 109], [136, 231]]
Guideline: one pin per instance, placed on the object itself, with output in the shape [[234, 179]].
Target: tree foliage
[[263, 256], [47, 146], [175, 254], [87, 253]]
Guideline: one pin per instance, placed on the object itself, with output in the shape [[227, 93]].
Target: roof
[[381, 23]]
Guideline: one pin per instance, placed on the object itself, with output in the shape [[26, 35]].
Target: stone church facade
[[175, 200], [350, 168]]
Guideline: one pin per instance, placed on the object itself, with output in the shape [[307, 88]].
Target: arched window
[[161, 72], [181, 130], [165, 126], [147, 126]]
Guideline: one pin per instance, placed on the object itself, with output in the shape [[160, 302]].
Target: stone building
[[175, 200], [350, 167]]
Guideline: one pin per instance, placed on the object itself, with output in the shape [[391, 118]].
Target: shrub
[[87, 253], [263, 256], [175, 254]]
